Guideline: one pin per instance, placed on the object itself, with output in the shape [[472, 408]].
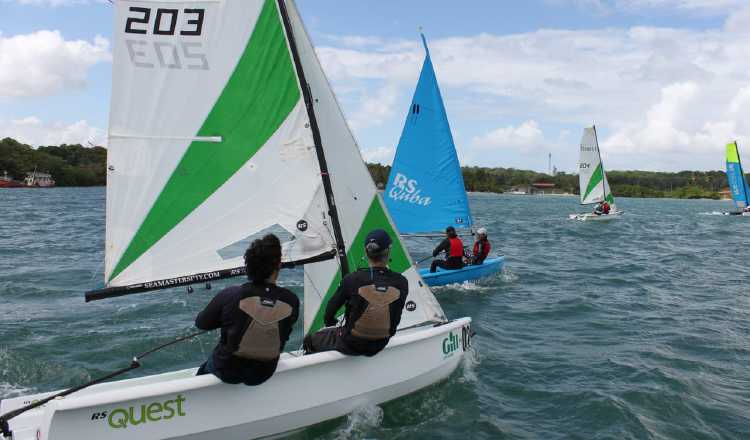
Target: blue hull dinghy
[[425, 191], [491, 266]]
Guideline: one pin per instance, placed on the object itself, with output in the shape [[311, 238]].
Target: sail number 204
[[164, 23]]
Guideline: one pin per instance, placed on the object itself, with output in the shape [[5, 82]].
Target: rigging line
[[100, 267], [134, 363], [315, 287]]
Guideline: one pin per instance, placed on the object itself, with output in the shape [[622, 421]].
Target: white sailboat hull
[[305, 390], [589, 216]]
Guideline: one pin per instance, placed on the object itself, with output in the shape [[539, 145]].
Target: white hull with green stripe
[[592, 179], [213, 140]]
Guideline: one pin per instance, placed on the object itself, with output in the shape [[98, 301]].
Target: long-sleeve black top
[[347, 296], [223, 312], [444, 246]]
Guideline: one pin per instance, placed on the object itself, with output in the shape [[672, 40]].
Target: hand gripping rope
[[135, 363]]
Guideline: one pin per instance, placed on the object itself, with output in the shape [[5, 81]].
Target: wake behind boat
[[737, 182], [240, 120], [425, 191], [592, 181]]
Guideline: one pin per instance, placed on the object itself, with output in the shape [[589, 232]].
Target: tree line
[[76, 165], [69, 165], [684, 184]]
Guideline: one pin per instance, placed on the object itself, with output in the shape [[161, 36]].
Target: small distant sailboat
[[592, 179], [737, 182], [425, 191], [227, 131]]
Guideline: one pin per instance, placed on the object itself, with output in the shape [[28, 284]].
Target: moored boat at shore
[[7, 181]]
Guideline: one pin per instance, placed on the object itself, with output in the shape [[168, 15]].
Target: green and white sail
[[358, 203], [591, 176], [207, 140], [210, 142]]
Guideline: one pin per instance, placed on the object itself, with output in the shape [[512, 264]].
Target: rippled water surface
[[637, 328]]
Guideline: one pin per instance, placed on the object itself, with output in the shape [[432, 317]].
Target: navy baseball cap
[[377, 240]]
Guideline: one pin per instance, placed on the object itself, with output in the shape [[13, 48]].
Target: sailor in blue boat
[[373, 299], [255, 318], [454, 250], [481, 247]]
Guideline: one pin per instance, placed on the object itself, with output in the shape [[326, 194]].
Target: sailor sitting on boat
[[255, 318], [481, 247], [453, 247], [373, 299], [602, 208]]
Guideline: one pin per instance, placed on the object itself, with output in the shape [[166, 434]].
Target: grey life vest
[[262, 341], [375, 322]]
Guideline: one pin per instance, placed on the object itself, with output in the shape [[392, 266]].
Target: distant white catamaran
[[592, 179]]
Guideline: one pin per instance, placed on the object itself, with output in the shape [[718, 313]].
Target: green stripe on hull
[[375, 218], [256, 100], [595, 180]]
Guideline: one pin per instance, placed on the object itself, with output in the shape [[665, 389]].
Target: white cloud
[[526, 136], [374, 109], [702, 5], [382, 155], [653, 91], [33, 131], [43, 63]]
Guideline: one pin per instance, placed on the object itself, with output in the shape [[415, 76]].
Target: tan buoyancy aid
[[262, 341], [375, 322]]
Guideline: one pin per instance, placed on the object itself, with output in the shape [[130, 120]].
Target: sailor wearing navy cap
[[373, 299]]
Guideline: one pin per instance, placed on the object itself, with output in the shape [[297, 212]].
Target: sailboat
[[223, 125], [737, 182], [425, 191], [592, 179]]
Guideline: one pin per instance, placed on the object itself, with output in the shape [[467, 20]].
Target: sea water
[[636, 328]]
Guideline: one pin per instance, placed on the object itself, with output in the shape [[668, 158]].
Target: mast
[[601, 163], [327, 187]]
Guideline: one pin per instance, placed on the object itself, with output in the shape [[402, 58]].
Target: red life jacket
[[486, 250], [457, 247]]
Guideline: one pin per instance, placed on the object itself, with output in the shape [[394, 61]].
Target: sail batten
[[425, 190]]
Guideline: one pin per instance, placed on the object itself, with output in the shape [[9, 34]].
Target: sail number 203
[[165, 22]]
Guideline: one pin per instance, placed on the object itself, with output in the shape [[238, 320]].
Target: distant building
[[42, 180], [535, 189]]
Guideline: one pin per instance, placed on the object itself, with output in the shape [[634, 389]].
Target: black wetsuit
[[340, 338], [223, 312]]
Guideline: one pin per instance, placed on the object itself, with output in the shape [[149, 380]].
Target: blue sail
[[425, 190], [737, 184]]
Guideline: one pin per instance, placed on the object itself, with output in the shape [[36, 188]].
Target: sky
[[667, 82]]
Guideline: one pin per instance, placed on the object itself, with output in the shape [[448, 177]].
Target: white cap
[[481, 231]]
